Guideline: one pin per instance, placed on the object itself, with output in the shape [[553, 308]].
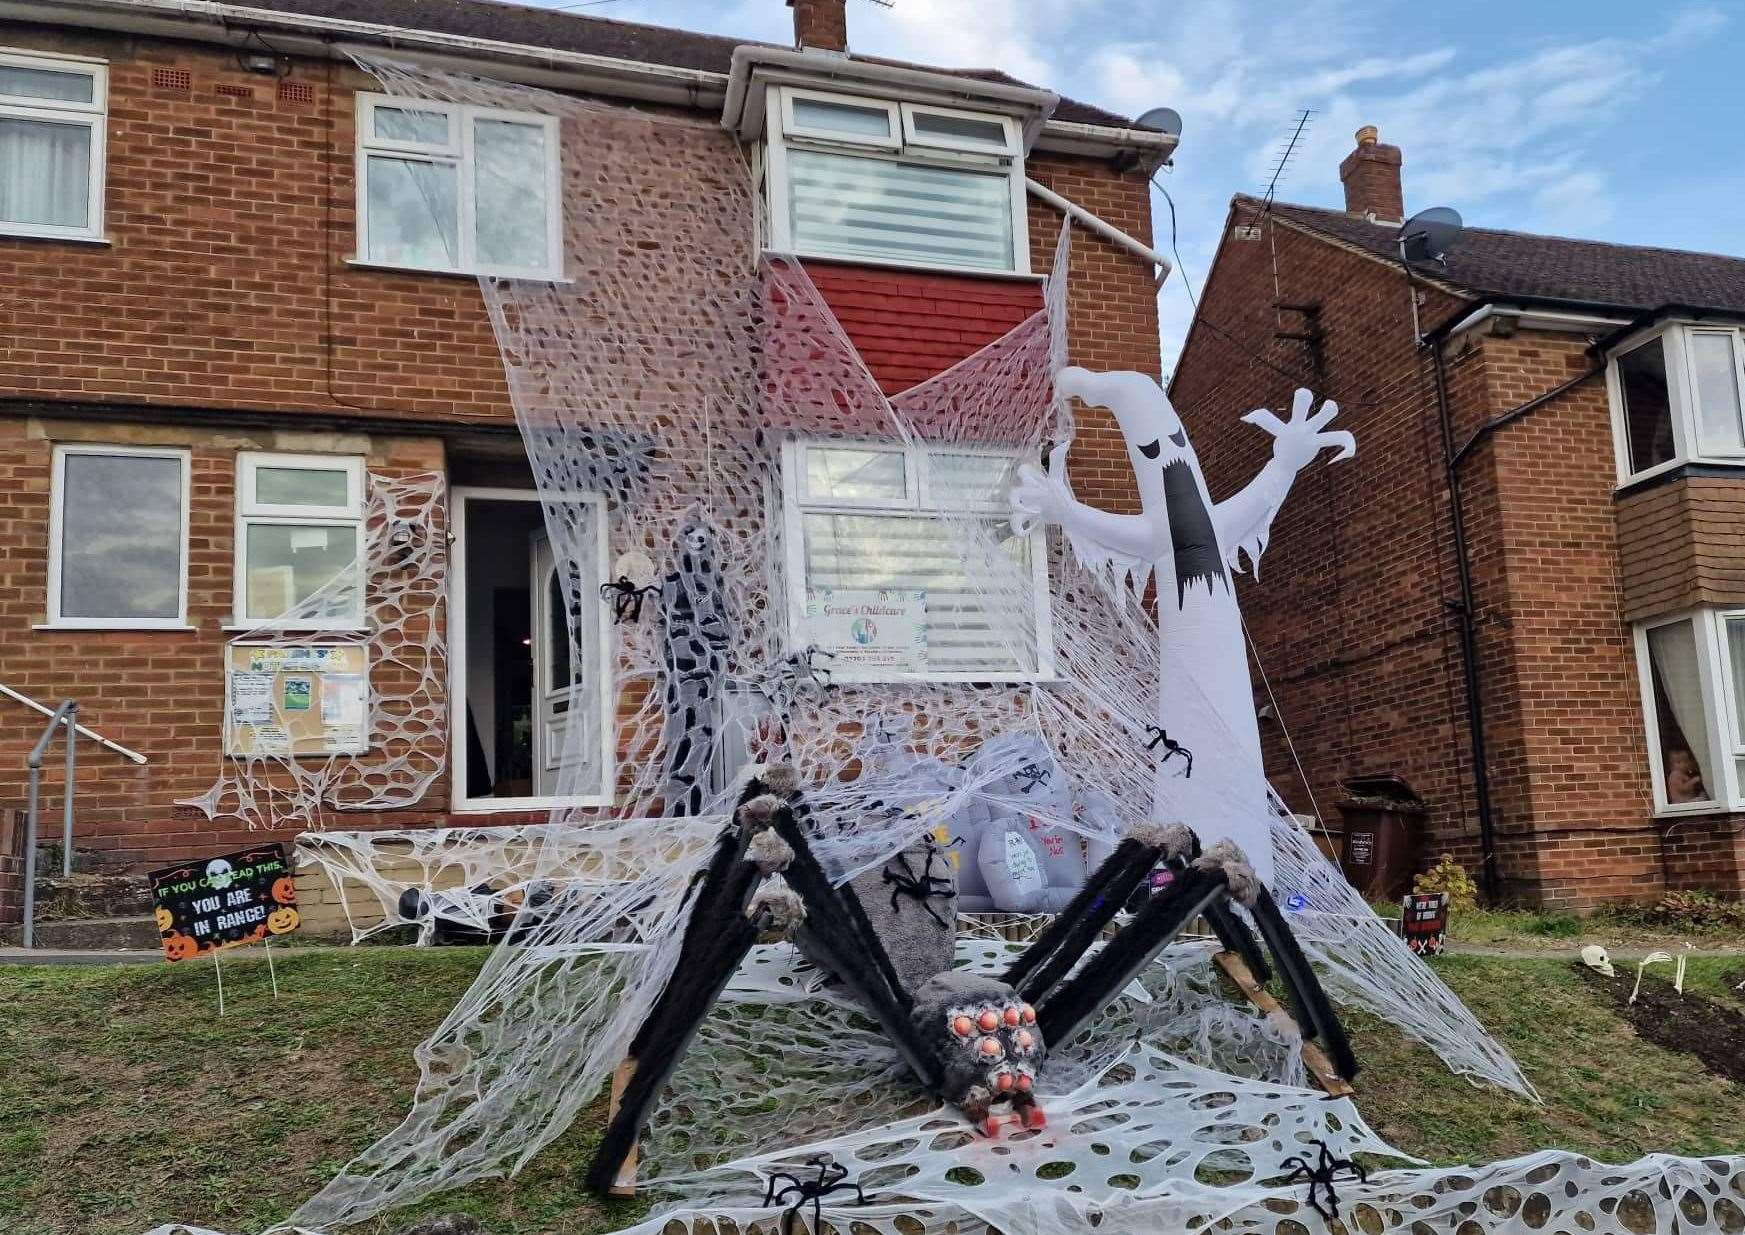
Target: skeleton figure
[[1205, 698], [977, 1042], [696, 662]]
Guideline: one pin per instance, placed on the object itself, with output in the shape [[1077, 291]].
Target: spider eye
[[1025, 1041], [1003, 1080], [990, 1020], [1011, 1017], [962, 1026], [1029, 1015], [991, 1047], [1024, 1083]]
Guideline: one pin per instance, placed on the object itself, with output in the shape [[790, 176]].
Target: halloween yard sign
[[208, 904]]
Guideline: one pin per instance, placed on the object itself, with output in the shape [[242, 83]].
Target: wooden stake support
[[1314, 1058], [625, 1183]]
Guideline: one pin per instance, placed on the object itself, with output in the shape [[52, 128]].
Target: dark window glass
[[1647, 409]]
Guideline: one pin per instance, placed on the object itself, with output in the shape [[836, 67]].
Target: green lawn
[[125, 1100]]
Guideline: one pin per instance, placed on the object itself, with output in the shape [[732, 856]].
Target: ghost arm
[[1244, 521], [1039, 498]]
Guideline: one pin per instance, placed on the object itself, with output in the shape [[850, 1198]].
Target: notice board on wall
[[312, 700]]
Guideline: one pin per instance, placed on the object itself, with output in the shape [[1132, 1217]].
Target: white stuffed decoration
[[1011, 867], [1209, 772]]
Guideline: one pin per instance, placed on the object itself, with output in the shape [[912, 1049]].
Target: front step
[[89, 934]]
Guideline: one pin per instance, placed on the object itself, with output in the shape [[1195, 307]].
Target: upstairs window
[[878, 579], [299, 541], [899, 183], [464, 190], [51, 146], [1679, 397]]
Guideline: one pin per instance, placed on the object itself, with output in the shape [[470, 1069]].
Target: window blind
[[858, 206]]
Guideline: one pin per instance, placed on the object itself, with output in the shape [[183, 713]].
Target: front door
[[561, 730]]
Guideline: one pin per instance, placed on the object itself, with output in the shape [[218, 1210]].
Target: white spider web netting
[[677, 374]]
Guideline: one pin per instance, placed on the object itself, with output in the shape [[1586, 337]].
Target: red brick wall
[[225, 282], [225, 286], [157, 692], [1351, 613]]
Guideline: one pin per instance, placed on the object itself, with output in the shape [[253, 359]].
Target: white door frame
[[457, 660]]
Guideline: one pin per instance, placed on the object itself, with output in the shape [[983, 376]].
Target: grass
[[125, 1101], [1553, 931]]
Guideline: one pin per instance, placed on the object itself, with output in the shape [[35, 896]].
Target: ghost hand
[[1295, 444], [1040, 498]]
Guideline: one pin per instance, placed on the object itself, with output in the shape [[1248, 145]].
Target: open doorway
[[530, 696]]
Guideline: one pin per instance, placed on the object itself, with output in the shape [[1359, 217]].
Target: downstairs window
[[876, 569]]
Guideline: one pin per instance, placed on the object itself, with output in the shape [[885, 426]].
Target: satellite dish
[[1164, 119], [1425, 236]]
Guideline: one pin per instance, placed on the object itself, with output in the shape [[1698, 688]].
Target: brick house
[[1572, 614], [231, 308]]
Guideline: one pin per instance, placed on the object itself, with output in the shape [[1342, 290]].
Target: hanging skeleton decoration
[[695, 656], [975, 1041], [1205, 697]]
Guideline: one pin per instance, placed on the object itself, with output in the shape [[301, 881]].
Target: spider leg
[[838, 934], [1041, 966], [1063, 1012], [729, 906], [1314, 1011]]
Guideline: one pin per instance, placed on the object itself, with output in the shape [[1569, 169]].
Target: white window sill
[[1685, 810], [504, 806], [269, 628], [116, 626], [64, 238], [391, 267], [962, 272]]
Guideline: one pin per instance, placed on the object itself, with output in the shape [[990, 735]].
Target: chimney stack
[[1371, 175], [820, 23]]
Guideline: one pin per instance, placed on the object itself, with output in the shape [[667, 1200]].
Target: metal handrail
[[96, 737], [66, 715]]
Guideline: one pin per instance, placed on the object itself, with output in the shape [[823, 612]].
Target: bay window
[[299, 541], [51, 146], [118, 538], [899, 183], [1692, 671], [460, 189], [1678, 396], [877, 535]]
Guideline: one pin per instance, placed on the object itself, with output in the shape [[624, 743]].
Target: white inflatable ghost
[[1209, 772]]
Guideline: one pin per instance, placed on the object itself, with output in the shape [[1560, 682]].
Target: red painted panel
[[909, 326]]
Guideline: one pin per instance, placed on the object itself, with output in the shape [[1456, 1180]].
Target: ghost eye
[[1151, 451], [1179, 437]]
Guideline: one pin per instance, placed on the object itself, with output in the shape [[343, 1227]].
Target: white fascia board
[[231, 25]]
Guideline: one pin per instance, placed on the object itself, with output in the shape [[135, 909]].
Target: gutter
[[233, 26]]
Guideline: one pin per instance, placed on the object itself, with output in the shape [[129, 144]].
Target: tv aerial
[[1425, 236]]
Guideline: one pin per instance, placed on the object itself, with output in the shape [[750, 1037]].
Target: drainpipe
[[1464, 612], [1464, 609]]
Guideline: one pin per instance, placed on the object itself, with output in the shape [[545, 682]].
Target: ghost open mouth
[[1191, 534]]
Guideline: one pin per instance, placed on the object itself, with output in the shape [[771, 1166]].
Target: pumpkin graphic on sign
[[179, 947], [282, 921], [165, 919], [285, 890]]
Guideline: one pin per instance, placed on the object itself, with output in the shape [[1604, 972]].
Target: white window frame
[[56, 522], [936, 141], [930, 151], [797, 503], [1681, 389], [1720, 694], [457, 151], [94, 115], [250, 513]]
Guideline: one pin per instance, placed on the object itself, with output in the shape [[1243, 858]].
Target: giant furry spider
[[976, 1042]]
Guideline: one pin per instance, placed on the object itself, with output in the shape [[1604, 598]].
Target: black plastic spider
[[1171, 748], [974, 1041], [832, 1177], [626, 599], [923, 887], [1321, 1177]]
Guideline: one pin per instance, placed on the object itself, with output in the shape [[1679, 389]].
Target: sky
[[1594, 118]]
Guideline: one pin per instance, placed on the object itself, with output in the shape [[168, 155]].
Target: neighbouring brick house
[[1586, 399], [215, 334]]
